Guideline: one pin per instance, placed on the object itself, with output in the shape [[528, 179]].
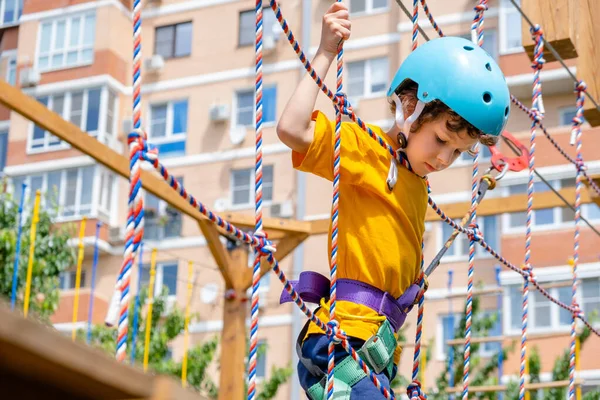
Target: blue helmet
[[461, 75]]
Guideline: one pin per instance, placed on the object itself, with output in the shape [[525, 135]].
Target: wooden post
[[557, 19], [588, 39], [233, 336]]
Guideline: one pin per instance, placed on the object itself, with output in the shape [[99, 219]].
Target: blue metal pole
[[13, 297], [93, 284]]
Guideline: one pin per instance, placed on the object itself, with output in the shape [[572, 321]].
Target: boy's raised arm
[[295, 128]]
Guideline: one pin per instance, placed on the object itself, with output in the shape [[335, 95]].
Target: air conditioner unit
[[127, 125], [282, 210], [29, 77], [115, 234], [219, 112], [269, 43], [222, 204], [155, 63]]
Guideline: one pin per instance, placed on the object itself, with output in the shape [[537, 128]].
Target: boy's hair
[[434, 110]]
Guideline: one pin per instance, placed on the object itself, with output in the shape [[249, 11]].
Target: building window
[[65, 193], [448, 325], [242, 186], [367, 6], [590, 296], [107, 187], [510, 28], [460, 247], [168, 127], [93, 110], [548, 218], [11, 71], [3, 149], [245, 109], [368, 77], [166, 276], [261, 359], [247, 34], [491, 348], [69, 278], [66, 42], [544, 315], [162, 221], [174, 41], [566, 115], [10, 11], [490, 42]]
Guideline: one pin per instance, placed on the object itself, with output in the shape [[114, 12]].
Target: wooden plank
[[490, 206], [29, 108], [488, 339], [557, 19], [502, 388], [588, 46], [233, 336], [217, 250], [48, 362], [284, 247], [594, 196]]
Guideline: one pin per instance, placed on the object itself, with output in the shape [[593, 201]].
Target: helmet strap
[[403, 125]]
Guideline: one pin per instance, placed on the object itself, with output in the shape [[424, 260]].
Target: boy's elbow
[[292, 137], [296, 139]]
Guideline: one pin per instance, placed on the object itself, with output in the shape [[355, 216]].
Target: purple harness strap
[[312, 287]]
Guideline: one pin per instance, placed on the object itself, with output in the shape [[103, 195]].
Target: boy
[[455, 95]]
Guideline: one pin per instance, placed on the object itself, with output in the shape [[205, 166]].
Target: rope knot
[[264, 245], [414, 391], [137, 135], [577, 313], [536, 30], [335, 333], [481, 7], [580, 86], [474, 233], [536, 115], [341, 104]]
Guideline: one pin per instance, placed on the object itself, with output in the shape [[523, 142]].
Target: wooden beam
[[493, 339], [502, 388], [29, 108], [284, 247], [233, 336], [557, 19], [588, 46], [488, 339], [217, 250], [490, 206], [476, 292], [37, 361]]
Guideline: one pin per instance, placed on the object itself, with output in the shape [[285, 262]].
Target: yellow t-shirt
[[380, 232]]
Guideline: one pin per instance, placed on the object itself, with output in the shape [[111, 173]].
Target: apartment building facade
[[198, 109]]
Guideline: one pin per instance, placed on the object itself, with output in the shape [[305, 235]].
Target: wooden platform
[[37, 362]]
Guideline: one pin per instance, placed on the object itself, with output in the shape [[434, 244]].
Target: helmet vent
[[488, 66], [487, 97], [468, 48], [506, 111]]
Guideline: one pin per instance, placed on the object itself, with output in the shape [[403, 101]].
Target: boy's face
[[434, 147]]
